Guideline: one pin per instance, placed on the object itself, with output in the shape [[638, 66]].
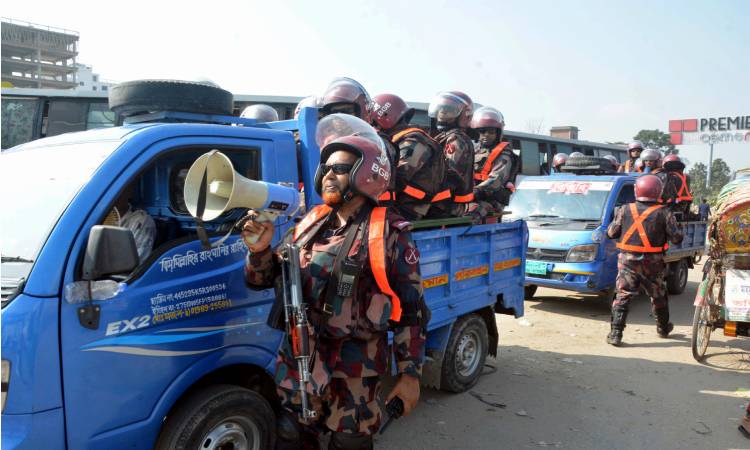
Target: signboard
[[737, 295], [712, 130]]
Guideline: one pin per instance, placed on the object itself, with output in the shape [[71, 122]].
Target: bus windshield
[[38, 183], [573, 200]]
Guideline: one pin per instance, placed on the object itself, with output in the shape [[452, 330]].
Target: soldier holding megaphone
[[359, 272]]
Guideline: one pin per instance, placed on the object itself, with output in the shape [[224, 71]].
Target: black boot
[[663, 325], [619, 317]]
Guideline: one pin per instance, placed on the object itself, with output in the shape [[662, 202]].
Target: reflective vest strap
[[414, 192], [376, 249], [638, 226], [464, 198], [440, 196], [317, 213], [387, 196], [401, 134], [494, 154], [684, 193]]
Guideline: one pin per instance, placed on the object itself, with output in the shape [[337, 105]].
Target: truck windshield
[[38, 183], [572, 200]]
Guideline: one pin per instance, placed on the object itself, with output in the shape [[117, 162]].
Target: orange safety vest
[[375, 246], [628, 167], [637, 225], [409, 190], [684, 193], [494, 154]]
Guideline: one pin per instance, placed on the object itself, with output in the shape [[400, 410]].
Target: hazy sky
[[610, 68]]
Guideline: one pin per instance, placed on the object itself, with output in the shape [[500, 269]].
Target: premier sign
[[710, 130]]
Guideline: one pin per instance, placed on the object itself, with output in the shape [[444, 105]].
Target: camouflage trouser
[[636, 271], [348, 405]]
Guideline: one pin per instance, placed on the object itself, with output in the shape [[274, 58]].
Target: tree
[[720, 175], [657, 139]]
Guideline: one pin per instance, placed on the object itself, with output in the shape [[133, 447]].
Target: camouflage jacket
[[500, 173], [459, 154], [660, 226], [421, 165], [352, 341]]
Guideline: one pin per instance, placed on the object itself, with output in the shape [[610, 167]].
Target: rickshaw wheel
[[702, 328]]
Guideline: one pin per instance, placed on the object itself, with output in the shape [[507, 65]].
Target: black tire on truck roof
[[588, 163], [144, 96]]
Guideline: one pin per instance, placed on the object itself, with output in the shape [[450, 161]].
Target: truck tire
[[217, 417], [465, 354], [677, 278], [589, 163], [143, 96], [529, 291]]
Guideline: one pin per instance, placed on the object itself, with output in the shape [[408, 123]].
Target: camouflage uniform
[[351, 344], [459, 154], [420, 165], [672, 185], [491, 195], [642, 270], [628, 166]]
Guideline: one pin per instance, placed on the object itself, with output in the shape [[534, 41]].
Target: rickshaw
[[723, 297]]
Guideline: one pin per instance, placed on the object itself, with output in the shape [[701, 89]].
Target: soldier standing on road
[[421, 169], [643, 229], [495, 164], [360, 277], [450, 114], [634, 152]]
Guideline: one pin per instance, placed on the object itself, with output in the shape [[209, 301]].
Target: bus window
[[65, 116], [543, 159], [99, 116], [19, 119]]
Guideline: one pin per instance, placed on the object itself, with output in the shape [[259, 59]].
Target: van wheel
[[529, 291], [465, 354], [677, 279], [144, 96], [220, 417]]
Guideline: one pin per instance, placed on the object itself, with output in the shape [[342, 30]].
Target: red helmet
[[346, 91], [635, 145], [614, 161], [487, 117], [673, 162], [310, 101], [451, 107], [559, 160], [648, 188], [261, 113], [388, 110], [372, 171]]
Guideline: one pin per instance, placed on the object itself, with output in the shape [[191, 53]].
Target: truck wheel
[[143, 96], [677, 279], [465, 354], [220, 417], [529, 291], [590, 163]]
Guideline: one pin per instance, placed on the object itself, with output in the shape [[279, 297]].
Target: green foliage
[[657, 139], [720, 175]]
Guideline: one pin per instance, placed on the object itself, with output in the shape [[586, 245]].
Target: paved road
[[564, 387]]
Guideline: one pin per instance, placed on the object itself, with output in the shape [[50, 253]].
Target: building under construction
[[38, 56]]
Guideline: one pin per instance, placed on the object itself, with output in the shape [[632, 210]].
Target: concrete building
[[38, 56], [90, 81]]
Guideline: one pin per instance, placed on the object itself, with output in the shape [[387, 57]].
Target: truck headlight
[[5, 381], [582, 253]]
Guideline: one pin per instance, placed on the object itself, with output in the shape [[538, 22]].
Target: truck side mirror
[[110, 250]]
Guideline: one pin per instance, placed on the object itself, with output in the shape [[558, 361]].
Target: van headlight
[[5, 381], [582, 253]]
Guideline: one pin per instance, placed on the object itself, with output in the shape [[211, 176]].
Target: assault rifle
[[295, 318]]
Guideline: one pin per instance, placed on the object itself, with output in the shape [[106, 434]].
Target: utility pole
[[710, 164]]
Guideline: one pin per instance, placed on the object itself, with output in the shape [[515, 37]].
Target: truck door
[[183, 308], [624, 196]]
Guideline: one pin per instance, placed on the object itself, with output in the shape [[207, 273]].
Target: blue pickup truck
[[568, 215], [129, 359]]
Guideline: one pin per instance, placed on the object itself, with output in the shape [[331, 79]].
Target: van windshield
[[572, 200], [38, 183]]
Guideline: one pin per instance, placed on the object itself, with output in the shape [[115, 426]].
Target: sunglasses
[[338, 169]]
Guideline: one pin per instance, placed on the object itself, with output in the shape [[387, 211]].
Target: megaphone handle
[[262, 217]]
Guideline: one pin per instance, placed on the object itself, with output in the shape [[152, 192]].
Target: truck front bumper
[[42, 430], [578, 277]]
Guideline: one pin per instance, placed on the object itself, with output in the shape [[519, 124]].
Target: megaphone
[[212, 187]]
